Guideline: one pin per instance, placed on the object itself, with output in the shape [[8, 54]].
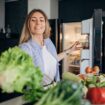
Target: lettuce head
[[18, 71]]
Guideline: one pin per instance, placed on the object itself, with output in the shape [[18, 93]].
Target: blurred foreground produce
[[94, 70], [94, 80], [18, 74], [96, 95], [96, 88], [93, 85], [66, 92], [70, 76]]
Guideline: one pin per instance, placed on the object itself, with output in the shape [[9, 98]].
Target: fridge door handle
[[84, 59]]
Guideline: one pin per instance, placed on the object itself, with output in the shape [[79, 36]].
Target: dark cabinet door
[[15, 14]]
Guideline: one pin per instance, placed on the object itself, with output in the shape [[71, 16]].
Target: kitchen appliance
[[95, 28], [86, 58], [99, 39], [71, 34]]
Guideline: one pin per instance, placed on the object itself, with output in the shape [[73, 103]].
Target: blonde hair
[[26, 35]]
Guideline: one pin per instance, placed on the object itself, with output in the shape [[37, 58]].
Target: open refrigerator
[[71, 34], [90, 34]]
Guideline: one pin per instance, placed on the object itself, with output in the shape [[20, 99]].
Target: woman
[[36, 42]]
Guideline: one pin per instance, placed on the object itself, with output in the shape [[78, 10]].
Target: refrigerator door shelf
[[84, 53], [84, 61]]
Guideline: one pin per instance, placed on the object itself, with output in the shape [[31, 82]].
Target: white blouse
[[49, 66]]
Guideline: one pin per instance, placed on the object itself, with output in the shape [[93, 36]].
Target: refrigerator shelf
[[75, 66]]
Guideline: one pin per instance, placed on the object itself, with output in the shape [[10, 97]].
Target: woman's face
[[37, 24]]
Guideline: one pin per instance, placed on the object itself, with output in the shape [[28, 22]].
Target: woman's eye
[[42, 20], [33, 20]]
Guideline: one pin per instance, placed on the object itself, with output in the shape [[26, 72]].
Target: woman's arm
[[63, 54]]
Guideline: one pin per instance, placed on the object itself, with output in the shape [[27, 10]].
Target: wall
[[54, 9], [2, 13], [50, 7]]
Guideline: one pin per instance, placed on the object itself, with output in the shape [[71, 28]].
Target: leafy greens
[[18, 71]]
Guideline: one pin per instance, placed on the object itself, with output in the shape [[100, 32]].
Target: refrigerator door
[[103, 47], [97, 41], [87, 28], [85, 60]]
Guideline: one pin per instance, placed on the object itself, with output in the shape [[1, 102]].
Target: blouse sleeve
[[25, 47]]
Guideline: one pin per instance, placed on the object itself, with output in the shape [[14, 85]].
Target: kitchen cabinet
[[5, 43], [15, 14], [2, 14], [14, 101]]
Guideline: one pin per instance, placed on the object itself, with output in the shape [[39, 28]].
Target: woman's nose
[[38, 21]]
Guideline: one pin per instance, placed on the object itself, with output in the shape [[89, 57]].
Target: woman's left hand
[[74, 47]]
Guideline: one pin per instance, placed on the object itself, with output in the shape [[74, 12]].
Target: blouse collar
[[35, 44]]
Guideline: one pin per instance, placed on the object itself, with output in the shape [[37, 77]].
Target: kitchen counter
[[14, 101]]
